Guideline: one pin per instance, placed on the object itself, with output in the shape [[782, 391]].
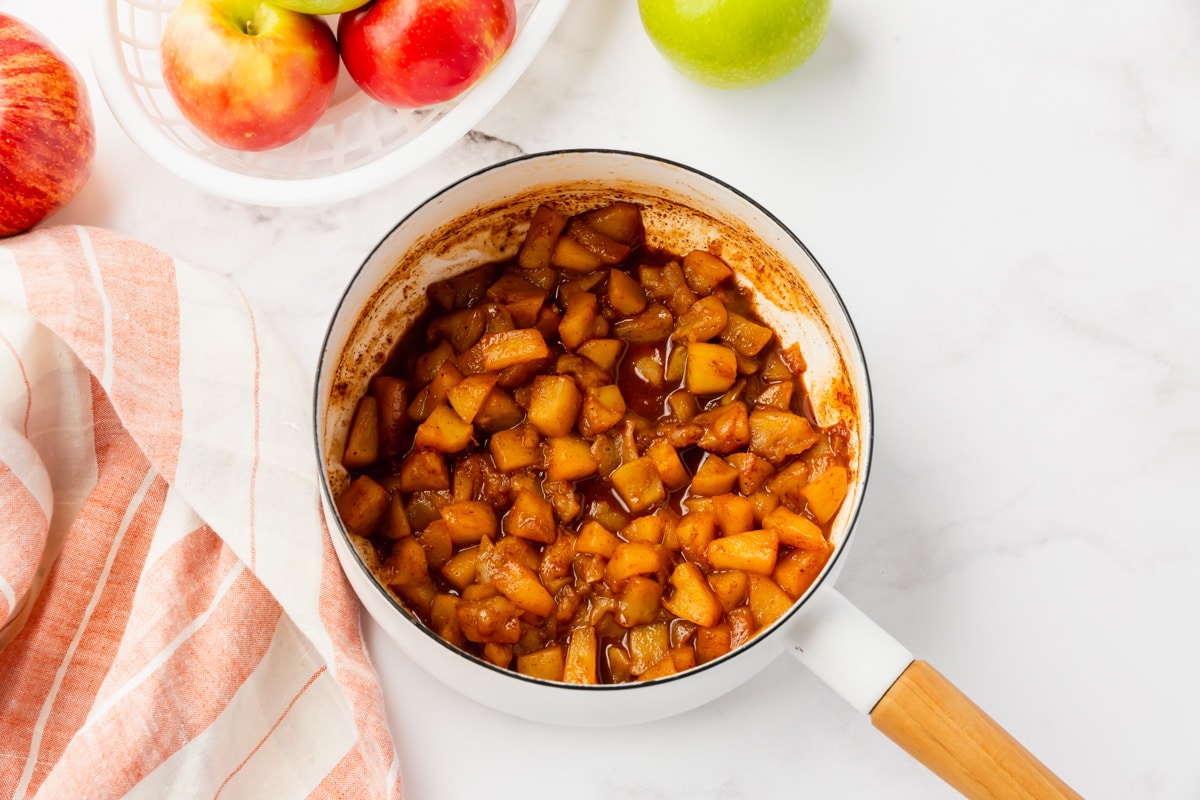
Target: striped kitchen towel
[[173, 619]]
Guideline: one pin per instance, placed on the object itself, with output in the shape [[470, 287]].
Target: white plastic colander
[[358, 144]]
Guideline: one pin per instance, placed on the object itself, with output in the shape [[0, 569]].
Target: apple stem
[[248, 27]]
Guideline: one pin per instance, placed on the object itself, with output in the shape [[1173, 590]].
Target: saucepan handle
[[915, 707]]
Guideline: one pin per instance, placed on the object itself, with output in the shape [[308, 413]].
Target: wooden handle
[[940, 727]]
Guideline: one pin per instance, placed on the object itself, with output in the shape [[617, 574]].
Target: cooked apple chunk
[[444, 431], [554, 404], [581, 662], [711, 368], [509, 348], [468, 396], [530, 517], [362, 505], [569, 458], [775, 434], [362, 442], [704, 271], [639, 484], [544, 229]]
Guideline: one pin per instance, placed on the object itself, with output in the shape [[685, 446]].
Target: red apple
[[248, 74], [415, 53], [46, 136]]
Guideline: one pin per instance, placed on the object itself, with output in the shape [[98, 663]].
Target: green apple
[[735, 43], [321, 6]]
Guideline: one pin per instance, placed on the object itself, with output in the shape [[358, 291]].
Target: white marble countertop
[[1008, 199]]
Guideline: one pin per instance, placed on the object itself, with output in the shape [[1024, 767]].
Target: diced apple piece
[[578, 323], [362, 441], [433, 395], [424, 507], [554, 404], [570, 255], [620, 220], [504, 349], [753, 551], [514, 288], [730, 587], [436, 541], [711, 368], [492, 619], [724, 429], [461, 328], [588, 567], [443, 431], [774, 368], [652, 325], [547, 664], [569, 458], [712, 643], [663, 669], [463, 290], [694, 532], [797, 570], [741, 626], [713, 477], [788, 483], [735, 514], [825, 493], [625, 294], [764, 503], [603, 408], [395, 524], [520, 584], [417, 596], [468, 396], [692, 598], [443, 619], [682, 404], [638, 602], [629, 559], [776, 395], [796, 530], [744, 336], [516, 448], [777, 435], [544, 229], [768, 602], [648, 645], [362, 505], [702, 321], [649, 528], [704, 271], [604, 247], [461, 569], [683, 656], [499, 412], [581, 661], [566, 502], [407, 564], [392, 396], [499, 654], [597, 539], [469, 521], [639, 484], [603, 352], [430, 362], [530, 517], [670, 467], [556, 558], [752, 471]]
